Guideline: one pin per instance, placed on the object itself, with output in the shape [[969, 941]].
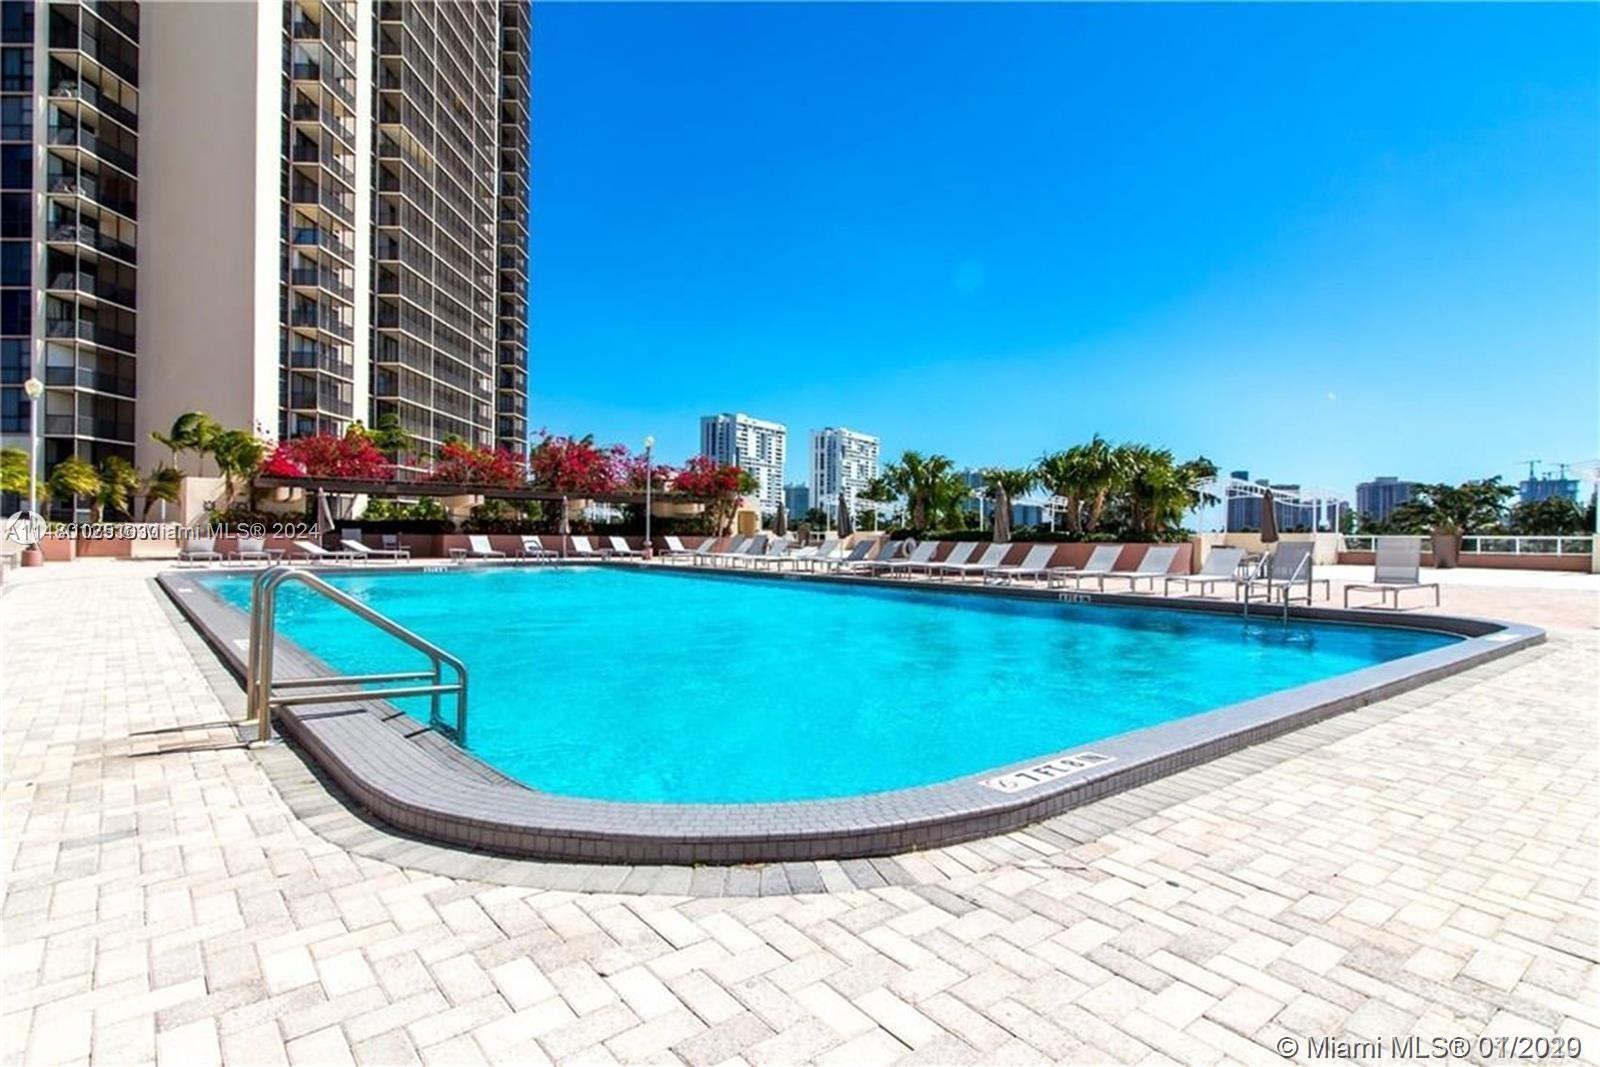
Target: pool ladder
[[261, 697]]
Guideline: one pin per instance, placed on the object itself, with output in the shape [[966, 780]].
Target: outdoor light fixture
[[649, 445], [35, 389]]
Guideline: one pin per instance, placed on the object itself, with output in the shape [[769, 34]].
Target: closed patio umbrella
[[780, 521], [325, 524], [564, 526], [1269, 519], [1001, 524], [845, 526]]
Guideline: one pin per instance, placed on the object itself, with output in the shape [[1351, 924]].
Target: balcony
[[83, 282], [76, 233], [72, 137], [309, 277]]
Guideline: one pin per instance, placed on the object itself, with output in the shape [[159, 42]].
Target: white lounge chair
[[200, 550], [844, 559], [1396, 567], [533, 548], [355, 545], [920, 555], [991, 558], [826, 555], [960, 552], [887, 550], [254, 549], [581, 547], [479, 547], [1155, 564], [1034, 566], [310, 550], [674, 549], [1103, 560], [1285, 577], [1221, 565], [734, 556], [620, 547], [707, 552]]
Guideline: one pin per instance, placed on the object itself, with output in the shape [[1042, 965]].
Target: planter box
[[59, 549]]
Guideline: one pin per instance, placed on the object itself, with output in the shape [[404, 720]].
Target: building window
[[16, 215], [16, 263], [16, 70], [14, 360], [16, 166], [16, 118], [16, 20]]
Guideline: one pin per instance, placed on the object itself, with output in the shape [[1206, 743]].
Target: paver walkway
[[1424, 866]]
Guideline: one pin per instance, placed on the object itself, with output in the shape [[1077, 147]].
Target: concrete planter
[[1446, 549]]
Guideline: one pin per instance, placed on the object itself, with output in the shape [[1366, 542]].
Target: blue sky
[[1320, 243]]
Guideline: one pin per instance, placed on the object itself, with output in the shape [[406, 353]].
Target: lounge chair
[[707, 552], [921, 554], [1155, 564], [826, 555], [533, 548], [858, 554], [887, 550], [1034, 566], [776, 555], [361, 550], [581, 547], [310, 550], [960, 552], [252, 549], [674, 548], [620, 547], [992, 555], [1285, 576], [1103, 560], [200, 550], [478, 547], [755, 546], [1397, 567], [1221, 565]]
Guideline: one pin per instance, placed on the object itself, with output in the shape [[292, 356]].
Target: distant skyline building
[[1546, 487], [757, 445], [1244, 507], [797, 500], [1375, 500], [843, 462]]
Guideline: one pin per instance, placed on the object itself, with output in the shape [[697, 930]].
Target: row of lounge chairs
[[355, 550]]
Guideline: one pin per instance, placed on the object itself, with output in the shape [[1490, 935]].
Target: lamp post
[[649, 446], [35, 389]]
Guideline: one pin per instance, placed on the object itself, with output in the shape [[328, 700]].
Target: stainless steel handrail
[[261, 696]]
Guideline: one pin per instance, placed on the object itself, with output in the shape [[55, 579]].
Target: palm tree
[[193, 431], [163, 485], [239, 454], [924, 482], [1015, 482], [74, 477], [119, 480]]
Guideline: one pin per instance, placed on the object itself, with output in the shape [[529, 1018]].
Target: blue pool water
[[618, 685]]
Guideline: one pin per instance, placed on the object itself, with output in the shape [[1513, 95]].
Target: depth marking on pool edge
[[1048, 771]]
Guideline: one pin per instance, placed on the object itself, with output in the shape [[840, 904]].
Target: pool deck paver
[[1425, 865]]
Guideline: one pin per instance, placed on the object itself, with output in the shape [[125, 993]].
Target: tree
[[929, 485], [119, 480], [193, 431], [878, 493], [1013, 481], [16, 472], [74, 477], [816, 518], [391, 437], [1555, 516], [239, 455], [719, 485], [1085, 476], [1477, 506], [576, 465], [164, 485]]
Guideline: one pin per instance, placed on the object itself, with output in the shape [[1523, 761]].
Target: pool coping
[[412, 778]]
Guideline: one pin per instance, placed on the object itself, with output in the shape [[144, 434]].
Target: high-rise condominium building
[[758, 446], [843, 462], [1377, 498], [291, 216]]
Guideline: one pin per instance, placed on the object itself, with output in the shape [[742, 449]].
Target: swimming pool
[[617, 684]]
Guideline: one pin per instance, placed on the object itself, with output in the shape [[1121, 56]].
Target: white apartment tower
[[759, 446], [843, 462]]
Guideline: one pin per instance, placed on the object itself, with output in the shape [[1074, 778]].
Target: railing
[[1507, 544], [261, 697]]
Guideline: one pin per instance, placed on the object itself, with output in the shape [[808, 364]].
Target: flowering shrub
[[634, 474], [576, 465], [462, 464], [717, 484], [351, 456]]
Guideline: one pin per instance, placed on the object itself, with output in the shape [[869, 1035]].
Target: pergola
[[417, 487]]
